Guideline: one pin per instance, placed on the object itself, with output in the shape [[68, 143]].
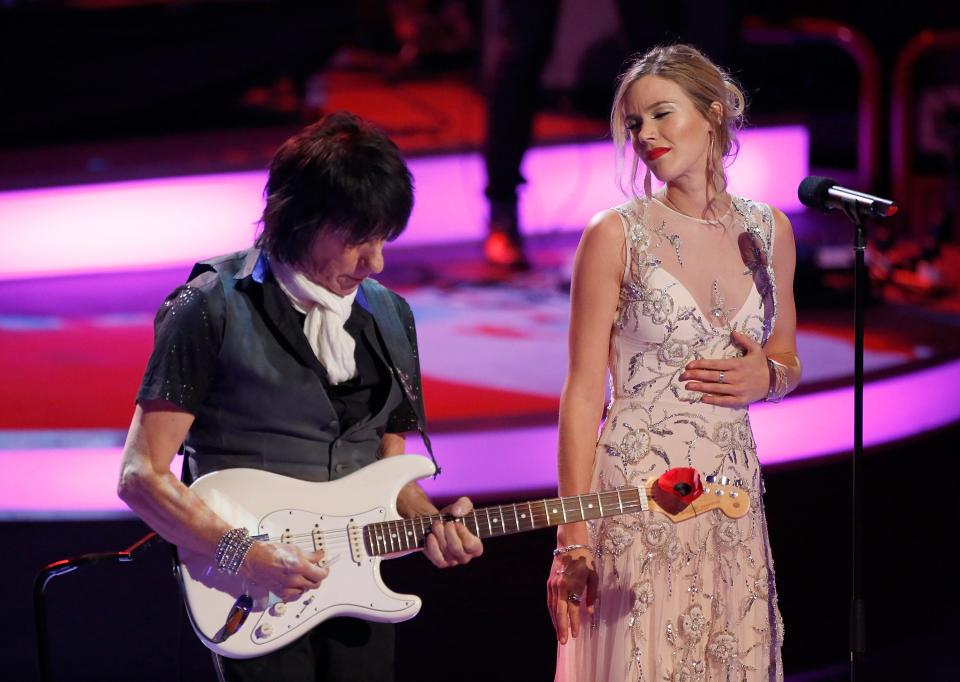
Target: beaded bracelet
[[232, 549], [779, 381], [569, 548]]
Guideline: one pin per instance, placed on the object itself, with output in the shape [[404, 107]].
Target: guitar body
[[312, 515]]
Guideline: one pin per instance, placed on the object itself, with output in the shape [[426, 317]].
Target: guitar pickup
[[355, 535], [317, 536]]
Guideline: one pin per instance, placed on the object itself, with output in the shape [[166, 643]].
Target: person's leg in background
[[524, 40]]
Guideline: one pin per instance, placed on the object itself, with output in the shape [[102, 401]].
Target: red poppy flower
[[681, 482]]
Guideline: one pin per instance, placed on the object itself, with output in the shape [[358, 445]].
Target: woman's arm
[[594, 294], [782, 344]]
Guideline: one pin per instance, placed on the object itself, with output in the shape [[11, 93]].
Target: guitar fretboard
[[389, 537]]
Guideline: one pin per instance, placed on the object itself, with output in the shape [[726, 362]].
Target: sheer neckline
[[702, 221]]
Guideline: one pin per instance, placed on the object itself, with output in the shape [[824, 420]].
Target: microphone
[[824, 195]]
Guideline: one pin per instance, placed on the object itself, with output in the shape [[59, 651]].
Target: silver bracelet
[[779, 381], [232, 550], [569, 548]]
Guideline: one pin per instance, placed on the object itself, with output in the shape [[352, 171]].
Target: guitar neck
[[404, 535]]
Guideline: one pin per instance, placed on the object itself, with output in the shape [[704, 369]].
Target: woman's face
[[667, 132], [340, 267]]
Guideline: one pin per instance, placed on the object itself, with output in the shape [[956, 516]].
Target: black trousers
[[339, 650]]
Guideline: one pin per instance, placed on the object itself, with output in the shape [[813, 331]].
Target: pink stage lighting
[[161, 222]]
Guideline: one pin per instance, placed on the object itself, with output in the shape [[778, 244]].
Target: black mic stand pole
[[858, 633]]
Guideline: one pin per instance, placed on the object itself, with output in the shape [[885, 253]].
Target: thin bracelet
[[779, 381], [569, 548]]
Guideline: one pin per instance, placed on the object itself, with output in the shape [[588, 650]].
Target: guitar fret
[[489, 524], [516, 517], [530, 513], [563, 510], [619, 500], [546, 511], [580, 502]]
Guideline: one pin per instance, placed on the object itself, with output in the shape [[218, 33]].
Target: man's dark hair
[[340, 174]]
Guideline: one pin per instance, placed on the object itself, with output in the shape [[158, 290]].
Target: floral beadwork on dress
[[693, 601]]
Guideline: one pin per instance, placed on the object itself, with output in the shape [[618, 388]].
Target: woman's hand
[[285, 570], [571, 590], [731, 382]]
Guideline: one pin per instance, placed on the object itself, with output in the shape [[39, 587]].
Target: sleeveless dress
[[691, 601]]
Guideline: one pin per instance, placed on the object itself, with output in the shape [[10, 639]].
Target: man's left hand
[[451, 544]]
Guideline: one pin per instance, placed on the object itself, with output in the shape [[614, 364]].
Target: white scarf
[[326, 313]]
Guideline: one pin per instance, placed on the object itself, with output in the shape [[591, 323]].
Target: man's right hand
[[285, 570]]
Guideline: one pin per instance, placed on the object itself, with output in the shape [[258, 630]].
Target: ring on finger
[[573, 598], [722, 378]]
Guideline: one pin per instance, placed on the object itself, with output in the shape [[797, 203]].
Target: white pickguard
[[312, 515]]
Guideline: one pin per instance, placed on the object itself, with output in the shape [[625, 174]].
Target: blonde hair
[[704, 83]]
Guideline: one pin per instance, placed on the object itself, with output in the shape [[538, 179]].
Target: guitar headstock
[[718, 493]]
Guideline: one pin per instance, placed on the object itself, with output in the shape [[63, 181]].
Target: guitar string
[[334, 538], [535, 516], [306, 541], [611, 498]]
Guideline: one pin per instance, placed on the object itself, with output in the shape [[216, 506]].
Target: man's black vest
[[267, 407]]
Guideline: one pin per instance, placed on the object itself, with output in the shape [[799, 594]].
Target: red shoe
[[500, 249]]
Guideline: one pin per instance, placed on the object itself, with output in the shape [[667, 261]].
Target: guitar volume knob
[[278, 609], [264, 631]]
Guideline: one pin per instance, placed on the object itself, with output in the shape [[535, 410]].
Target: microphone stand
[[63, 567], [858, 634]]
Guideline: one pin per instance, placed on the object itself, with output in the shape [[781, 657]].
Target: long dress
[[695, 600]]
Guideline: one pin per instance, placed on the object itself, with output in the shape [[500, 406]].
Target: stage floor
[[494, 353]]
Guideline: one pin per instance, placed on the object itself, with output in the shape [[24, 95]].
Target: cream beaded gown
[[696, 600]]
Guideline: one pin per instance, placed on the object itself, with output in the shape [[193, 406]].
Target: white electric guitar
[[354, 521]]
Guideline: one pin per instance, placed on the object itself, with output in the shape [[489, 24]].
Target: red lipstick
[[656, 153]]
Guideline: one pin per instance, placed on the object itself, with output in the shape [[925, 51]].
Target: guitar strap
[[382, 304]]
